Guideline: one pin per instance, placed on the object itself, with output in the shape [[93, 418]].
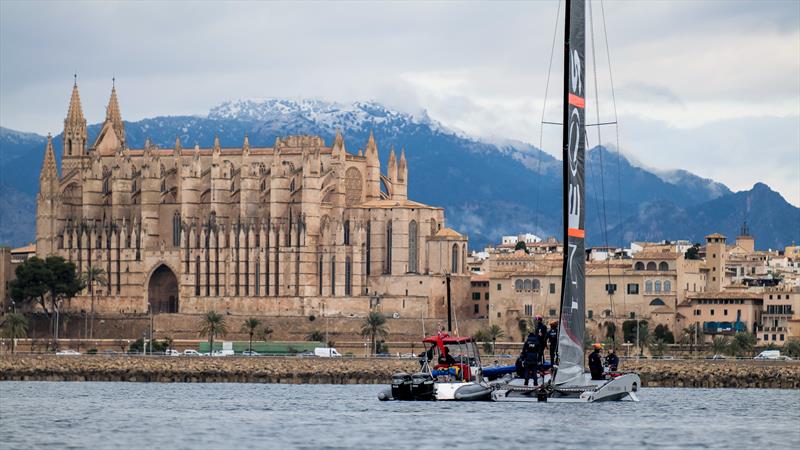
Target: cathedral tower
[[75, 134], [47, 203]]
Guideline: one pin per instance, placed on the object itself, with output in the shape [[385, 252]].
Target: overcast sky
[[712, 87]]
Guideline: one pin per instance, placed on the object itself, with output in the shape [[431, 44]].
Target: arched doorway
[[162, 291]]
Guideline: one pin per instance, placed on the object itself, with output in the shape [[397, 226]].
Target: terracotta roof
[[715, 235], [727, 295], [479, 278], [30, 248], [448, 233], [656, 255]]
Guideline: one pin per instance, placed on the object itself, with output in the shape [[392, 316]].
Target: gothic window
[[197, 276], [648, 286], [639, 265], [353, 186], [176, 229], [346, 232], [535, 285], [348, 287], [369, 246], [657, 302], [257, 279], [454, 262], [319, 269], [518, 285], [333, 275], [526, 285], [667, 286], [651, 266], [663, 266], [413, 247], [388, 268], [658, 286]]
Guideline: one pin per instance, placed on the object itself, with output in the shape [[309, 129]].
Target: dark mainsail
[[573, 301]]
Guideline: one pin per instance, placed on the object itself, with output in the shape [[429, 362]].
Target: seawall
[[707, 374]]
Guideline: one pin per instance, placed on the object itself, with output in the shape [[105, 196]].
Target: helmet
[[597, 346], [538, 317]]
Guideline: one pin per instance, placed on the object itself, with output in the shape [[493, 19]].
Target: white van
[[227, 350], [326, 352], [769, 354]]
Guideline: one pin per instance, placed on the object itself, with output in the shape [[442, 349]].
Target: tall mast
[[573, 290]]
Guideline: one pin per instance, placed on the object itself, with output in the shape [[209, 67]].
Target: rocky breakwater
[[685, 373], [717, 373], [202, 369]]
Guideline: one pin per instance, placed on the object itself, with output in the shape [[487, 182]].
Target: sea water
[[238, 416]]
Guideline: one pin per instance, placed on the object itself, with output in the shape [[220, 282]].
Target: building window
[[333, 275], [611, 288], [724, 312], [526, 285], [348, 286], [486, 296], [632, 315], [518, 285], [499, 287], [388, 265], [476, 295], [369, 246], [454, 262], [412, 247], [648, 286], [528, 310], [667, 286], [663, 266], [476, 309], [346, 232], [589, 314], [319, 270], [552, 288], [651, 265], [696, 312], [552, 312], [766, 337], [639, 265], [657, 302], [712, 312], [176, 230], [658, 286], [633, 288], [781, 336]]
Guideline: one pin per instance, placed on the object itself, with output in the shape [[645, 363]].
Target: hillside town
[[697, 291]]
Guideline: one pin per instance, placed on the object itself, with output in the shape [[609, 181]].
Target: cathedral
[[290, 229]]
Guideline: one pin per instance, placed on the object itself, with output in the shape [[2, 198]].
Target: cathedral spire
[[178, 146], [113, 115], [402, 167], [391, 169], [246, 145], [49, 167], [75, 133]]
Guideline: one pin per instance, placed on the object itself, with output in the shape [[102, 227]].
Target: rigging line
[[600, 149], [586, 125], [619, 164], [541, 127]]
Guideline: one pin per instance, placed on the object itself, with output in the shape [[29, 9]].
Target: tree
[[611, 332], [374, 325], [644, 335], [742, 344], [662, 332], [493, 334], [250, 326], [93, 275], [689, 336], [693, 252], [212, 324], [315, 336], [719, 344], [792, 348], [14, 326], [480, 336], [265, 333], [657, 346], [45, 281], [521, 246]]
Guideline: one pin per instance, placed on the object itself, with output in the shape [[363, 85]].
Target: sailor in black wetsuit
[[530, 358], [541, 332], [552, 340], [596, 363], [612, 360]]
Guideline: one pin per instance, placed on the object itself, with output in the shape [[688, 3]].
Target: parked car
[[716, 357], [250, 353], [306, 355], [67, 352], [171, 352], [190, 352]]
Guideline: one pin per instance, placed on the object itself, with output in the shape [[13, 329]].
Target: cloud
[[682, 69]]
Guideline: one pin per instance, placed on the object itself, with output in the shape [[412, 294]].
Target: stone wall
[[708, 374]]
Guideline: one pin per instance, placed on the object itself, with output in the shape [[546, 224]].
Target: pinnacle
[[49, 167], [178, 146], [75, 112]]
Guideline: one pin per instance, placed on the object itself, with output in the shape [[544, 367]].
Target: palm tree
[[493, 333], [212, 324], [93, 274], [315, 336], [250, 326], [719, 344], [265, 333], [688, 336], [374, 325], [15, 326]]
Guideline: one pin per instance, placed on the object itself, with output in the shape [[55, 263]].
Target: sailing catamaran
[[568, 381]]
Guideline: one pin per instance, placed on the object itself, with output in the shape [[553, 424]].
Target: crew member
[[446, 359], [541, 332], [552, 340], [530, 358], [612, 360], [596, 362]]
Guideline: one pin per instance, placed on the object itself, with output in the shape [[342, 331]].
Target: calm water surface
[[167, 416]]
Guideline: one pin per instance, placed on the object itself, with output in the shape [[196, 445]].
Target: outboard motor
[[422, 386], [401, 386]]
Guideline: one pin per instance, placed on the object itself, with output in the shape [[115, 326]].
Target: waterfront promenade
[[311, 370]]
